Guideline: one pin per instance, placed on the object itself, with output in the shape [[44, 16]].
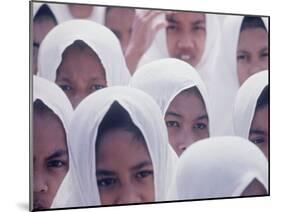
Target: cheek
[[171, 42], [242, 73], [201, 134]]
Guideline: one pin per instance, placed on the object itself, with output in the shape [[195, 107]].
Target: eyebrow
[[141, 165], [103, 172], [170, 113], [171, 18], [205, 116], [57, 154], [256, 131], [264, 49], [198, 22]]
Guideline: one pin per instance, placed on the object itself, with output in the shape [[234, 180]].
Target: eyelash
[[97, 87], [144, 174], [106, 182], [200, 126], [172, 124], [242, 57], [56, 164], [66, 88], [258, 141]]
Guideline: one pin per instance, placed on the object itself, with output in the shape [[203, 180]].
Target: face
[[254, 188], [80, 73], [119, 21], [40, 30], [50, 158], [124, 169], [186, 35], [80, 11], [259, 130], [186, 120], [252, 53]]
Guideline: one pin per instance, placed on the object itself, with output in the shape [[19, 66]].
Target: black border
[[31, 108]]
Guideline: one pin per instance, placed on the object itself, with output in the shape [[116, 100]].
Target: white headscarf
[[225, 80], [206, 65], [64, 13], [220, 167], [80, 187], [246, 101], [164, 79], [100, 39], [55, 99]]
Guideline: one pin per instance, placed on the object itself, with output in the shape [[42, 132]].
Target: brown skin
[[254, 188], [186, 120], [80, 11], [50, 158], [40, 30], [145, 26], [252, 53], [186, 35], [124, 169], [80, 73], [119, 21], [259, 133]]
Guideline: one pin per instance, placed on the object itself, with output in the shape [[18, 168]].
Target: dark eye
[[200, 126], [172, 124], [66, 87], [171, 26], [143, 174], [106, 182], [198, 28], [258, 140], [264, 54], [97, 87], [242, 57], [55, 164]]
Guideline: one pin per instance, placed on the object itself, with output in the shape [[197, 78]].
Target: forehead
[[188, 101], [48, 135], [254, 38], [186, 17], [120, 146], [120, 17]]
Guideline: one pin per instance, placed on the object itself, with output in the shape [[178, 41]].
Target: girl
[[51, 116], [251, 110], [121, 153], [221, 167], [81, 57], [182, 97]]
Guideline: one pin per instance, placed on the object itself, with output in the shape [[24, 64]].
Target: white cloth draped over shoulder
[[225, 80], [246, 101], [80, 187], [54, 98], [164, 79], [220, 167], [100, 39]]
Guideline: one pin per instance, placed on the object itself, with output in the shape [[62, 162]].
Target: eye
[[172, 26], [199, 28], [143, 174], [264, 54], [66, 88], [97, 87], [172, 124], [55, 163], [258, 140], [200, 126], [106, 182], [242, 57]]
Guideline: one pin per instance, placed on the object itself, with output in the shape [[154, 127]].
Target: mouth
[[186, 57], [38, 205]]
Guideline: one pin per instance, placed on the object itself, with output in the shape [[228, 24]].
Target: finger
[[152, 15]]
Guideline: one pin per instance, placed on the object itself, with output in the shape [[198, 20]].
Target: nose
[[185, 140], [185, 41], [128, 194], [76, 99], [39, 182]]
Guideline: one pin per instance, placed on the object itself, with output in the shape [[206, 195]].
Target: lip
[[38, 205], [186, 57]]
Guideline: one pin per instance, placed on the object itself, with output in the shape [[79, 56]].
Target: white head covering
[[246, 101], [54, 98], [37, 5], [206, 65], [225, 79], [80, 188], [100, 39], [64, 13], [164, 79], [220, 167]]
